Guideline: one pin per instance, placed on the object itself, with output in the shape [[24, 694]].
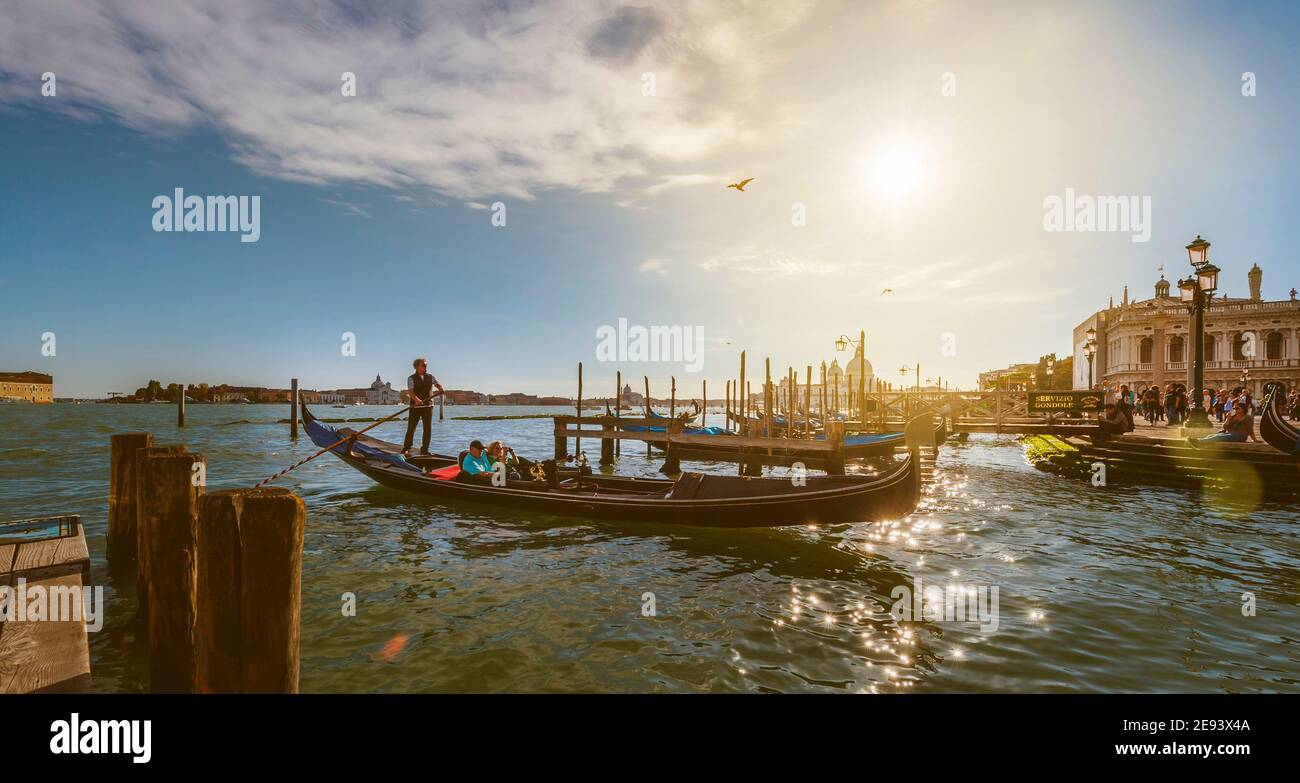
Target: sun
[[897, 170]]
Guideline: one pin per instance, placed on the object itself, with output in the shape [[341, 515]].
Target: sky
[[902, 154]]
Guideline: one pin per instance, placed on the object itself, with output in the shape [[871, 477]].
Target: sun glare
[[897, 171]]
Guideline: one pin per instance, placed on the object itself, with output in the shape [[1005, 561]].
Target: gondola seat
[[448, 473]]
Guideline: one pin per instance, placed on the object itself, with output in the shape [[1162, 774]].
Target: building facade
[[26, 387], [1014, 377], [382, 393], [1248, 341]]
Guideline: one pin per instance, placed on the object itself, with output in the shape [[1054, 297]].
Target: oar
[[338, 443]]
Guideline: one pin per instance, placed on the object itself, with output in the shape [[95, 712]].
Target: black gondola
[[1275, 430], [693, 499]]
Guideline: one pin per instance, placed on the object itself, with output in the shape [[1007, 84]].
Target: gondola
[[693, 499], [1275, 430]]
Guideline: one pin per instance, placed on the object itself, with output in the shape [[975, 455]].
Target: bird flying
[[887, 291], [741, 184]]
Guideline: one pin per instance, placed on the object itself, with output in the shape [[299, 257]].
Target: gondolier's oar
[[338, 443]]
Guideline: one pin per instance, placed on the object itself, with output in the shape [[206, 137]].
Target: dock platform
[[44, 655]]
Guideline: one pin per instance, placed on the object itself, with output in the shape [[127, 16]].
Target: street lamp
[[1196, 291], [1051, 368], [1090, 351]]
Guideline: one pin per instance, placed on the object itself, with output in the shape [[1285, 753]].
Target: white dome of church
[[856, 368]]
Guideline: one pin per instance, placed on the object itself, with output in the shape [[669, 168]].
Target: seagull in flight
[[887, 291], [741, 184]]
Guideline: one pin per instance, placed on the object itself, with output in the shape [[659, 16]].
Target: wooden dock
[[44, 655]]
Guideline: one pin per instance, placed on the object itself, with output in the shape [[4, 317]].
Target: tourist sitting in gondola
[[476, 461], [500, 452]]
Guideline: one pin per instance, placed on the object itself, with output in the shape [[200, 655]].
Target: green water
[[1099, 589]]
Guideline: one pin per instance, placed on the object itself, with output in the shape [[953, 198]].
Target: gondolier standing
[[420, 386]]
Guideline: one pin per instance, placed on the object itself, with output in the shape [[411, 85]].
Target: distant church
[[381, 393]]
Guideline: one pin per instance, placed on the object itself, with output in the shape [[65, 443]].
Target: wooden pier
[[45, 655]]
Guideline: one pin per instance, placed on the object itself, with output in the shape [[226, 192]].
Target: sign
[[1066, 401]]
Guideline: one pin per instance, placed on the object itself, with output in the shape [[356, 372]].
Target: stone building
[[383, 393], [1248, 340], [26, 387]]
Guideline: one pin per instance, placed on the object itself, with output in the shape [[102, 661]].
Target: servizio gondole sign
[[1065, 401]]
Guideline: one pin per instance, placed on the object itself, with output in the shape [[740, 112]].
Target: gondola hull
[[693, 500]]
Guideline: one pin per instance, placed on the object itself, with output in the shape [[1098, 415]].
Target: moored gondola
[[1275, 430], [693, 499]]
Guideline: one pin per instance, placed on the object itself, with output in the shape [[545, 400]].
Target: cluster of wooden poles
[[218, 575], [749, 417]]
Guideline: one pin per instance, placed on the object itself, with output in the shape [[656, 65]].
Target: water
[[1099, 589]]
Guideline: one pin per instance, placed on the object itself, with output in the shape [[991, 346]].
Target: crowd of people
[[1233, 408]]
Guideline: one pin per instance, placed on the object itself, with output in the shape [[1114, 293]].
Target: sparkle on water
[[1100, 589]]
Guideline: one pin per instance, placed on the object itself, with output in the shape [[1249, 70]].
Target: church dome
[[833, 373], [859, 367]]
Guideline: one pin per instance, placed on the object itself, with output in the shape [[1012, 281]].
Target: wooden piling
[[862, 377], [618, 408], [671, 466], [122, 498], [807, 404], [180, 406], [577, 442], [767, 398], [293, 405], [744, 405], [646, 402], [141, 526], [170, 501], [249, 591], [704, 412]]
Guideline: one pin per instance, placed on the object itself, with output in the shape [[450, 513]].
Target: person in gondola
[[500, 452], [476, 461], [420, 387]]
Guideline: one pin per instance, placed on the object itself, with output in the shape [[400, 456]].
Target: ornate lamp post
[[1090, 351], [1196, 292], [1051, 368]]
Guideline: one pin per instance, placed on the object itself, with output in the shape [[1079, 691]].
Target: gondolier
[[420, 386]]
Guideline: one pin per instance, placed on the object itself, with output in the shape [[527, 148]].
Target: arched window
[[1273, 346], [1144, 350], [1176, 349], [1210, 347], [1239, 346]]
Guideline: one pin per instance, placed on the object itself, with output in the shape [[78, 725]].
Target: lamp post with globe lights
[[1196, 291]]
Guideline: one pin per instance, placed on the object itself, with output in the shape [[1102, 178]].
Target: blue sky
[[371, 218]]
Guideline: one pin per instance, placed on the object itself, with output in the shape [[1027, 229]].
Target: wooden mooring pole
[[141, 546], [122, 498], [170, 502], [293, 404], [249, 591], [180, 406]]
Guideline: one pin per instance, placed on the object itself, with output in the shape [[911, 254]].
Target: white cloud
[[654, 266], [674, 181], [464, 97]]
